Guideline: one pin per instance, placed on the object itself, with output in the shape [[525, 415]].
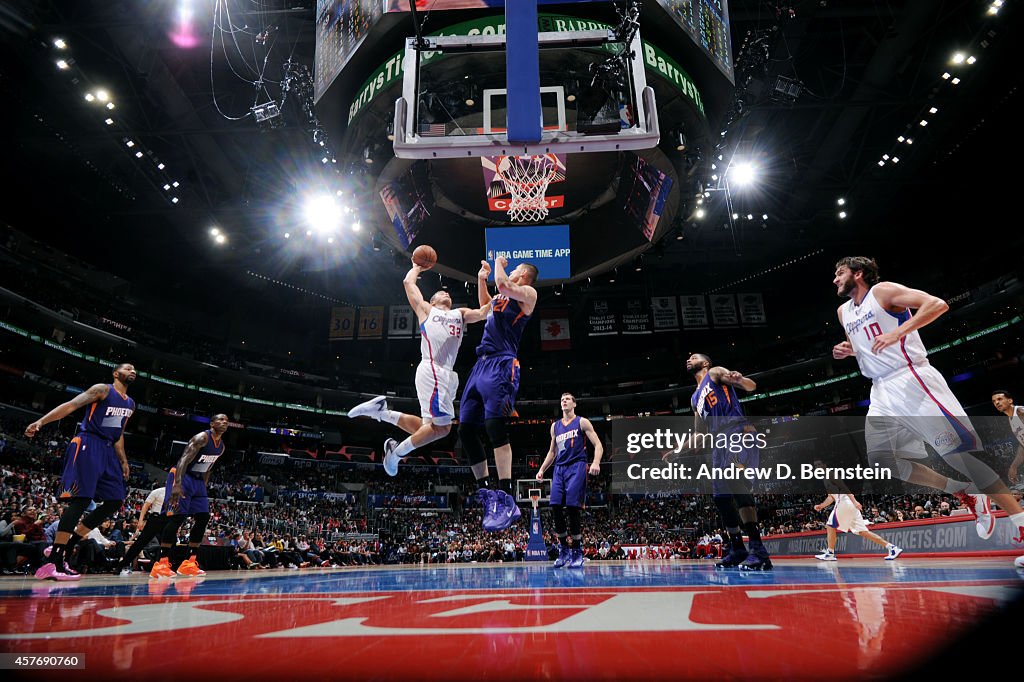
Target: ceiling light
[[842, 215], [160, 166], [110, 105], [138, 155], [933, 110], [841, 201], [743, 174], [60, 44], [220, 239], [130, 144], [955, 81], [699, 214], [923, 123], [287, 235], [61, 64], [214, 231], [102, 95], [958, 58], [971, 60], [174, 200], [89, 97], [109, 121], [946, 76]]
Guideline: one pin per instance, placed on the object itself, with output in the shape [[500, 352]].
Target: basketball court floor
[[856, 618]]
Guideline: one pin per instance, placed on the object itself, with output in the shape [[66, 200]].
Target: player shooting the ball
[[441, 332]]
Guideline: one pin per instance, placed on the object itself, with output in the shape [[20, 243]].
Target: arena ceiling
[[870, 72]]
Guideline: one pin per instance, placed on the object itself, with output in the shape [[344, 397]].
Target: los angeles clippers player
[[95, 465], [490, 394], [568, 453], [441, 332], [186, 495], [1002, 400], [910, 402], [717, 410]]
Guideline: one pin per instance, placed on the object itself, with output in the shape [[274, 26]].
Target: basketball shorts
[[912, 407], [92, 469], [569, 484], [723, 458], [847, 518], [193, 500], [436, 387], [491, 390]]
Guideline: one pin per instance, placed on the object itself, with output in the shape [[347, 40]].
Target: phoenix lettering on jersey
[[561, 438], [701, 408], [854, 326], [118, 412]]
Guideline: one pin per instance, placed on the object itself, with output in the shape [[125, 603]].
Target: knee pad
[[497, 432], [726, 506], [558, 513], [100, 513], [469, 434], [744, 500], [169, 535], [888, 460], [980, 474], [195, 536], [72, 514]]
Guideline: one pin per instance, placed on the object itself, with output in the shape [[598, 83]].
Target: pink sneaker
[[48, 571]]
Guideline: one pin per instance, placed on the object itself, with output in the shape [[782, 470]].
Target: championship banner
[[371, 323], [723, 311], [636, 318], [602, 319], [666, 317], [694, 310], [554, 330], [343, 324], [752, 310], [401, 322]]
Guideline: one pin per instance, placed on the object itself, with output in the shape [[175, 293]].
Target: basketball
[[424, 256]]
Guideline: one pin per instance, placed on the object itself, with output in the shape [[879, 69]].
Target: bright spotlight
[[959, 58], [110, 105], [220, 239], [699, 214], [214, 231], [89, 97], [356, 226], [842, 215], [61, 64], [841, 201], [322, 213], [933, 110], [743, 174], [103, 95], [138, 155], [160, 166], [130, 144], [971, 60], [287, 235], [109, 121], [60, 44], [735, 216]]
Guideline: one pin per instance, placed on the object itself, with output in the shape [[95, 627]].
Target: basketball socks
[[405, 447], [505, 484], [165, 552], [483, 483], [57, 555], [955, 486], [72, 541], [753, 533], [390, 416], [736, 538]]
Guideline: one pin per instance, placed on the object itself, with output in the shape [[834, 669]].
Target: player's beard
[[845, 288], [694, 370]]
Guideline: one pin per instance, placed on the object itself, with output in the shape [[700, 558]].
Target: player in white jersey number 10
[[441, 332], [910, 402]]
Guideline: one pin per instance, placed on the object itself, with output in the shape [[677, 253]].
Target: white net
[[527, 179]]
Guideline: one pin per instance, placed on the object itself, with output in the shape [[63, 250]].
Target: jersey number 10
[[872, 330]]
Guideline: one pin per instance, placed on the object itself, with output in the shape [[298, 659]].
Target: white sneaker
[[390, 458], [894, 552], [125, 571], [986, 520], [827, 555], [371, 408]]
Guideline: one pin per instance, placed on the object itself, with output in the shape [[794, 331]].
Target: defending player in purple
[[568, 452], [489, 397], [186, 496], [95, 465]]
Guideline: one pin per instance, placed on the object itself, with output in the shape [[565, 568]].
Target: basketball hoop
[[535, 498], [527, 178]]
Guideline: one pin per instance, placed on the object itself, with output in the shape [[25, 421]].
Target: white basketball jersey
[[440, 337], [839, 498], [1017, 424], [866, 321]]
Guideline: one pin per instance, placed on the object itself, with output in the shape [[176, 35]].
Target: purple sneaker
[[576, 558], [564, 555], [502, 512], [490, 500], [48, 571]]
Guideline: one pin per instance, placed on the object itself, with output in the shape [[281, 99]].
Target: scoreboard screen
[[707, 23], [341, 25]]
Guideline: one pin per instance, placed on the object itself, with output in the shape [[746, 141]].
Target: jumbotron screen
[[707, 23]]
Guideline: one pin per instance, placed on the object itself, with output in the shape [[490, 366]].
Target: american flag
[[432, 130]]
